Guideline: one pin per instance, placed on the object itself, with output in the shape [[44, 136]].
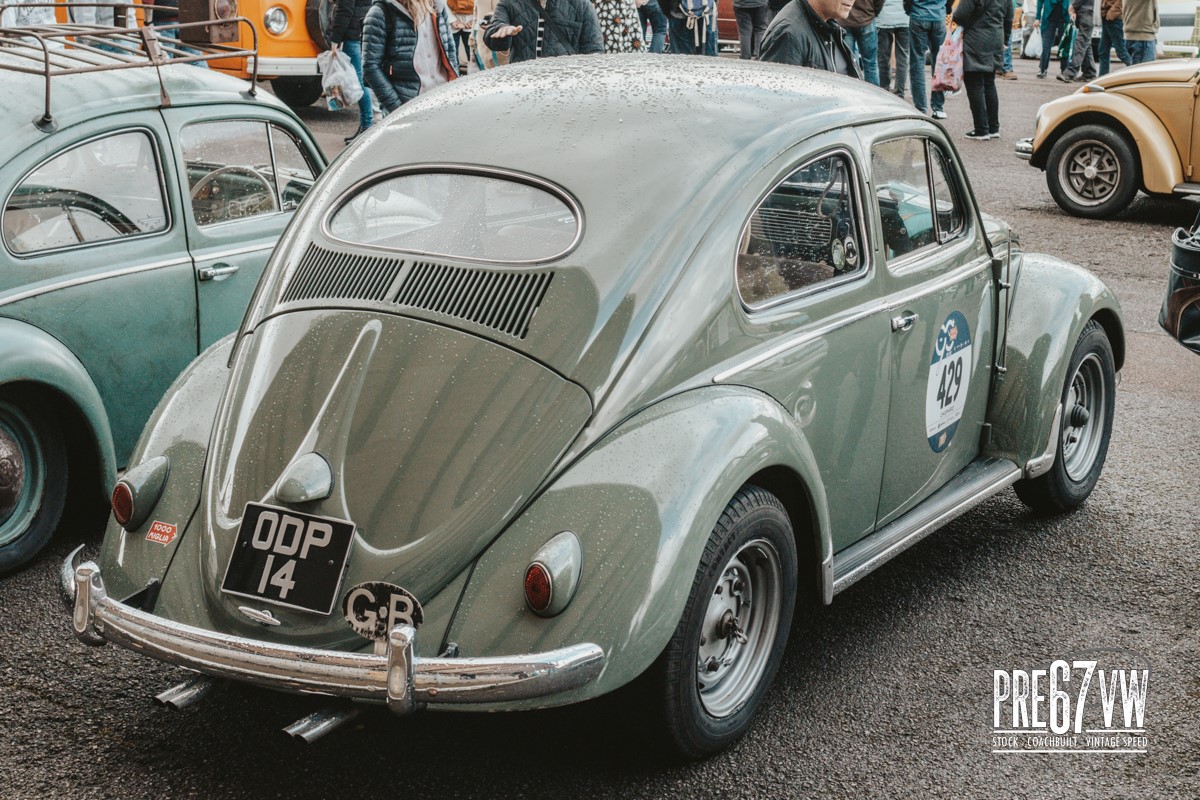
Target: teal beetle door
[[244, 179], [941, 301]]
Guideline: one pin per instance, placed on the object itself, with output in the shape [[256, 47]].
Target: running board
[[977, 482], [1187, 188]]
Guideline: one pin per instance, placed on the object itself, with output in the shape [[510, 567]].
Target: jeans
[[866, 44], [1052, 31], [353, 49], [887, 38], [924, 36], [1140, 52], [1112, 34], [985, 104], [683, 38], [752, 24], [652, 13], [1006, 65], [1081, 53]]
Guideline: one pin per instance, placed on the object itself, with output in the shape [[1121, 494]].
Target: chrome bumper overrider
[[397, 677], [1024, 149]]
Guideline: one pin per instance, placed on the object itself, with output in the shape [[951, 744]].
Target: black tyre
[[713, 674], [33, 480], [1093, 172], [1088, 400], [297, 92]]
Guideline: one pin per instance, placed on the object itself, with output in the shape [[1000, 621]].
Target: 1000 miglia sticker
[[949, 374]]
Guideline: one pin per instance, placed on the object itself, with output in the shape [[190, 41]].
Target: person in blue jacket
[[408, 48], [1052, 19], [926, 30]]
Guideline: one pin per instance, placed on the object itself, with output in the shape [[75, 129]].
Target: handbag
[[948, 69], [1033, 47], [1180, 315]]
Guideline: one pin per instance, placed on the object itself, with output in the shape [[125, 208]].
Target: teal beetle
[[590, 391], [137, 216]]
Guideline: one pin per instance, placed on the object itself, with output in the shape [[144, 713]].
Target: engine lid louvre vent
[[325, 274], [502, 301]]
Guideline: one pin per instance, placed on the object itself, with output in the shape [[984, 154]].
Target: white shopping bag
[[338, 79], [1033, 48]]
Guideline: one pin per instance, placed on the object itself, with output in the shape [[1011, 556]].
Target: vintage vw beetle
[[141, 200], [593, 392]]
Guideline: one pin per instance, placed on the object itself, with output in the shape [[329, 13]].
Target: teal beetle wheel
[[33, 481]]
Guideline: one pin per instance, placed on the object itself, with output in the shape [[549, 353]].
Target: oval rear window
[[460, 215]]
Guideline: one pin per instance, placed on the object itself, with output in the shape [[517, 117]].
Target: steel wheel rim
[[22, 475], [1089, 172], [747, 599], [1083, 418]]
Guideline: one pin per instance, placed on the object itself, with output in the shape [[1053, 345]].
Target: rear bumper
[[1024, 149], [396, 677]]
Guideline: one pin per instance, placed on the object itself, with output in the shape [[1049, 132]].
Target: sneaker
[[898, 94], [1064, 77], [1008, 76], [980, 136], [1042, 74], [361, 130], [994, 135], [939, 114]]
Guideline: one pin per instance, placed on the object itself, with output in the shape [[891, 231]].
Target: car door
[[95, 255], [940, 297], [809, 292], [245, 172]]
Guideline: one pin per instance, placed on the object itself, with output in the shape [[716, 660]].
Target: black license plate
[[288, 558]]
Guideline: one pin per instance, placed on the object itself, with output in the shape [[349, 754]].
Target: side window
[[242, 168], [913, 178], [804, 233], [105, 189]]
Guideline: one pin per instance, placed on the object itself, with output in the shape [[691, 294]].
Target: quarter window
[[803, 234], [916, 189], [108, 188], [243, 168]]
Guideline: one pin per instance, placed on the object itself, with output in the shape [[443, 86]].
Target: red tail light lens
[[538, 587], [122, 503]]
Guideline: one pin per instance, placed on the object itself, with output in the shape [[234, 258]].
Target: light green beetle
[[578, 372], [136, 219]]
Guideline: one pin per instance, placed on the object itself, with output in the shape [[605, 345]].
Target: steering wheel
[[267, 203]]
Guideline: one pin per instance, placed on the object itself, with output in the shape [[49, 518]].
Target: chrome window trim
[[885, 305], [554, 189], [162, 188], [79, 281], [841, 280]]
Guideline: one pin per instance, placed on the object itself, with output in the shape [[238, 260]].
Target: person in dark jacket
[[533, 29], [752, 17], [805, 33], [345, 32], [408, 48], [986, 25]]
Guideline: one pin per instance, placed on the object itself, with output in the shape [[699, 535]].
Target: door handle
[[905, 321], [217, 272]]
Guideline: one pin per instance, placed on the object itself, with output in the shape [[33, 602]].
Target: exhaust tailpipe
[[185, 694], [321, 722]]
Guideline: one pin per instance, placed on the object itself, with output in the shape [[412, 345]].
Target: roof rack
[[72, 48]]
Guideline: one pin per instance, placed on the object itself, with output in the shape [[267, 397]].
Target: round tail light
[[122, 503], [539, 589]]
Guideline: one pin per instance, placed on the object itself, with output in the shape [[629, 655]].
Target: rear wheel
[[728, 644], [1087, 401], [1092, 172], [297, 92], [33, 480]]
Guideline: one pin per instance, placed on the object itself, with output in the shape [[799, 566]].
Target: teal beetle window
[[107, 188], [495, 218], [242, 168], [803, 234], [913, 177]]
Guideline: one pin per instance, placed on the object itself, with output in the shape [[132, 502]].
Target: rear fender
[[179, 429], [30, 356], [643, 503], [1052, 301]]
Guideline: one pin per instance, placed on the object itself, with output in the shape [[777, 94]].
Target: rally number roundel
[[374, 608], [949, 375]]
